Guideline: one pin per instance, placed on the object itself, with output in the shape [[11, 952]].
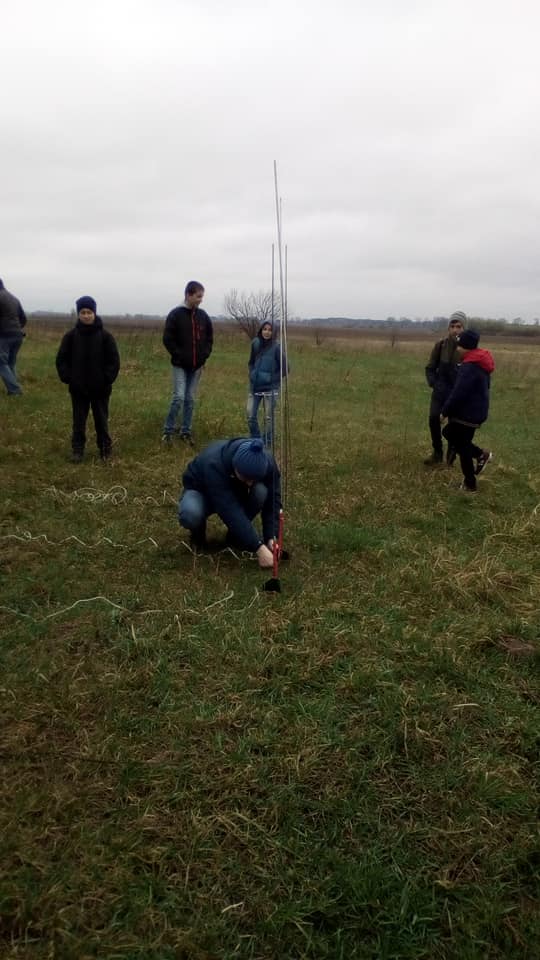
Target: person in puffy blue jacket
[[235, 479], [267, 366]]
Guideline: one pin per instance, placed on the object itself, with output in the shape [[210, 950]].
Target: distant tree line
[[249, 311]]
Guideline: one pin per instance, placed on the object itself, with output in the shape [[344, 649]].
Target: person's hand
[[265, 557], [443, 419], [273, 545]]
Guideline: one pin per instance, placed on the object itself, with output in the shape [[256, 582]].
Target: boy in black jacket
[[467, 407], [189, 338], [88, 362]]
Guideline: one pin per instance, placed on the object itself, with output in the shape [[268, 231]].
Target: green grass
[[194, 769]]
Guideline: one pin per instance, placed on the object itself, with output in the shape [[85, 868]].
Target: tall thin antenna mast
[[284, 441], [273, 311], [280, 245]]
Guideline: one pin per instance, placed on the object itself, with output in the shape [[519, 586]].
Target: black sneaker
[[483, 461], [167, 439], [435, 458], [465, 489], [187, 438], [197, 538], [232, 542]]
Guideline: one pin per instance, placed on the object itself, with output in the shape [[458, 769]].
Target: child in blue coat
[[267, 367]]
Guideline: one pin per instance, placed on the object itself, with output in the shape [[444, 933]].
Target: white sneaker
[[483, 461]]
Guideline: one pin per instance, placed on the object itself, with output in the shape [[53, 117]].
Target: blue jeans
[[194, 508], [9, 348], [269, 401], [185, 383]]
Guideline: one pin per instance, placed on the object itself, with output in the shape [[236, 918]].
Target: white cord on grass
[[117, 495], [116, 606], [217, 602], [26, 537], [58, 613]]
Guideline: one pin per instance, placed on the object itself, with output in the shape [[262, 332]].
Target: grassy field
[[194, 769]]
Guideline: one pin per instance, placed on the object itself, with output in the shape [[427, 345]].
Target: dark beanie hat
[[458, 317], [86, 303], [469, 339], [251, 460]]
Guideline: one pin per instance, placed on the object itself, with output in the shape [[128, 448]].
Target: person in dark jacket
[[189, 337], [467, 407], [266, 371], [441, 373], [236, 479], [12, 322], [88, 362]]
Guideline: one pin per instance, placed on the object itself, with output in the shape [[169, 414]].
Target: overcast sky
[[138, 139]]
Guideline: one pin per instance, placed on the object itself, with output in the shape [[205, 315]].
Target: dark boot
[[435, 459], [198, 538], [231, 542]]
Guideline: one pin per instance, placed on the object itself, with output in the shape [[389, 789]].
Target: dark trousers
[[81, 404], [435, 422], [460, 438]]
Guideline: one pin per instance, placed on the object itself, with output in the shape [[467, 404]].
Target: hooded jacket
[[189, 337], [469, 400], [212, 474], [264, 364], [88, 359], [12, 315]]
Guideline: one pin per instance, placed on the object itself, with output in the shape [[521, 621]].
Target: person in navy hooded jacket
[[236, 479], [266, 371], [467, 407]]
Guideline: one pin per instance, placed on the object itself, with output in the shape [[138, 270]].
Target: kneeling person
[[236, 479]]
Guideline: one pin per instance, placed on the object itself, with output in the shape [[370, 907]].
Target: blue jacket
[[212, 474], [264, 365], [469, 399]]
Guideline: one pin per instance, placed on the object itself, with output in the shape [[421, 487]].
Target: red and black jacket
[[189, 337]]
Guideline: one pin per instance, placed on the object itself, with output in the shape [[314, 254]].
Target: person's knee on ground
[[191, 511]]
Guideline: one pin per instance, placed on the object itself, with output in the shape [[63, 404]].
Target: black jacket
[[441, 371], [12, 315], [88, 359], [189, 337]]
